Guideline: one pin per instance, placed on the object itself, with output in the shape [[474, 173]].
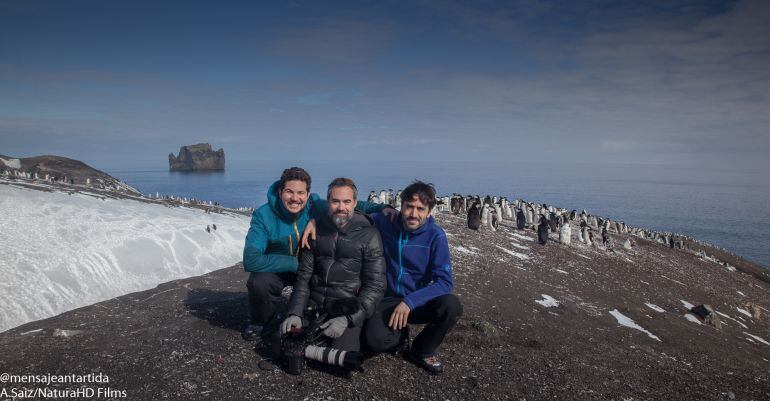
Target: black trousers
[[439, 315], [350, 340], [265, 294]]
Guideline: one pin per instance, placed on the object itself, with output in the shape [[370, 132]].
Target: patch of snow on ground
[[463, 249], [743, 311], [731, 318], [742, 294], [512, 253], [626, 321], [671, 279], [760, 339], [686, 304], [548, 301], [583, 256], [644, 282], [12, 163], [692, 318], [59, 252], [524, 237], [515, 245], [656, 308], [561, 271]]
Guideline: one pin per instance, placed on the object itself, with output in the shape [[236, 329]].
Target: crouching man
[[345, 261], [271, 249], [419, 281]]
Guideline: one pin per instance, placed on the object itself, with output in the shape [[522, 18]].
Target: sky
[[659, 82]]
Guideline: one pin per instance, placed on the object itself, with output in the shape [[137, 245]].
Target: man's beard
[[340, 219]]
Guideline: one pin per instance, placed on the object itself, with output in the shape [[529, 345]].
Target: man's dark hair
[[342, 182], [425, 192], [292, 174]]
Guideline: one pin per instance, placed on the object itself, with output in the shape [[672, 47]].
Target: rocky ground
[[540, 322]]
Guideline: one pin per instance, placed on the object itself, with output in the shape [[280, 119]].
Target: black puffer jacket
[[343, 263]]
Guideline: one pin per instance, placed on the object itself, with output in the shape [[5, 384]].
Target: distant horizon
[[164, 161]]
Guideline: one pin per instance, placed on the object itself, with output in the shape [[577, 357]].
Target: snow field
[[59, 252]]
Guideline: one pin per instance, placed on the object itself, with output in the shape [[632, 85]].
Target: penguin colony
[[488, 212]]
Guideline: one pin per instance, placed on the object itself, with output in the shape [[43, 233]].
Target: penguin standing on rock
[[485, 215], [565, 233], [542, 230], [605, 237], [474, 217], [521, 220], [584, 230]]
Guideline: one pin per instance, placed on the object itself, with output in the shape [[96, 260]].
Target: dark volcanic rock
[[181, 340], [63, 170], [197, 157]]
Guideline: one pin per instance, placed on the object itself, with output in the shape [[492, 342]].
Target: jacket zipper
[[334, 253], [401, 244], [291, 246]]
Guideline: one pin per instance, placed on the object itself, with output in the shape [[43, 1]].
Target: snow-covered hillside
[[59, 251]]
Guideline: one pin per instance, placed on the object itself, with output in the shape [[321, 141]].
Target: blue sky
[[675, 82]]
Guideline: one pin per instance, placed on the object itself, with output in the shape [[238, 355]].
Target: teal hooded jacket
[[274, 234]]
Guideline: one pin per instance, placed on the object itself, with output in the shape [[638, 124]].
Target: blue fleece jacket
[[272, 242], [418, 264]]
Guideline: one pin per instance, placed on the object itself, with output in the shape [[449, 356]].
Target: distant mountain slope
[[63, 169]]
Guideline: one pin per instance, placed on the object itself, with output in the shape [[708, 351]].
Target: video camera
[[300, 344]]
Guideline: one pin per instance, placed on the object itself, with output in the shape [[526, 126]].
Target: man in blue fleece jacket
[[419, 276], [272, 243]]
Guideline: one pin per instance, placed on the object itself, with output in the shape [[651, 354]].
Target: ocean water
[[722, 207]]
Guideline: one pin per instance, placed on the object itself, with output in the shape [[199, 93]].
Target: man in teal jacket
[[273, 242]]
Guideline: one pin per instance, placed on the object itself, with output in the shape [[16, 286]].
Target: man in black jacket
[[346, 261]]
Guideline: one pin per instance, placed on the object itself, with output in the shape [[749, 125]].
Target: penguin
[[521, 220], [474, 217], [455, 204], [485, 215], [208, 229], [528, 216], [373, 198], [494, 221], [214, 226], [586, 230], [552, 222], [565, 233], [605, 237], [542, 230]]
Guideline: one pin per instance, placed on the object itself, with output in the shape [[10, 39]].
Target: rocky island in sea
[[198, 157]]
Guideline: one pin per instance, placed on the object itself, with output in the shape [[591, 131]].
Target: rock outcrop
[[61, 170], [196, 158]]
